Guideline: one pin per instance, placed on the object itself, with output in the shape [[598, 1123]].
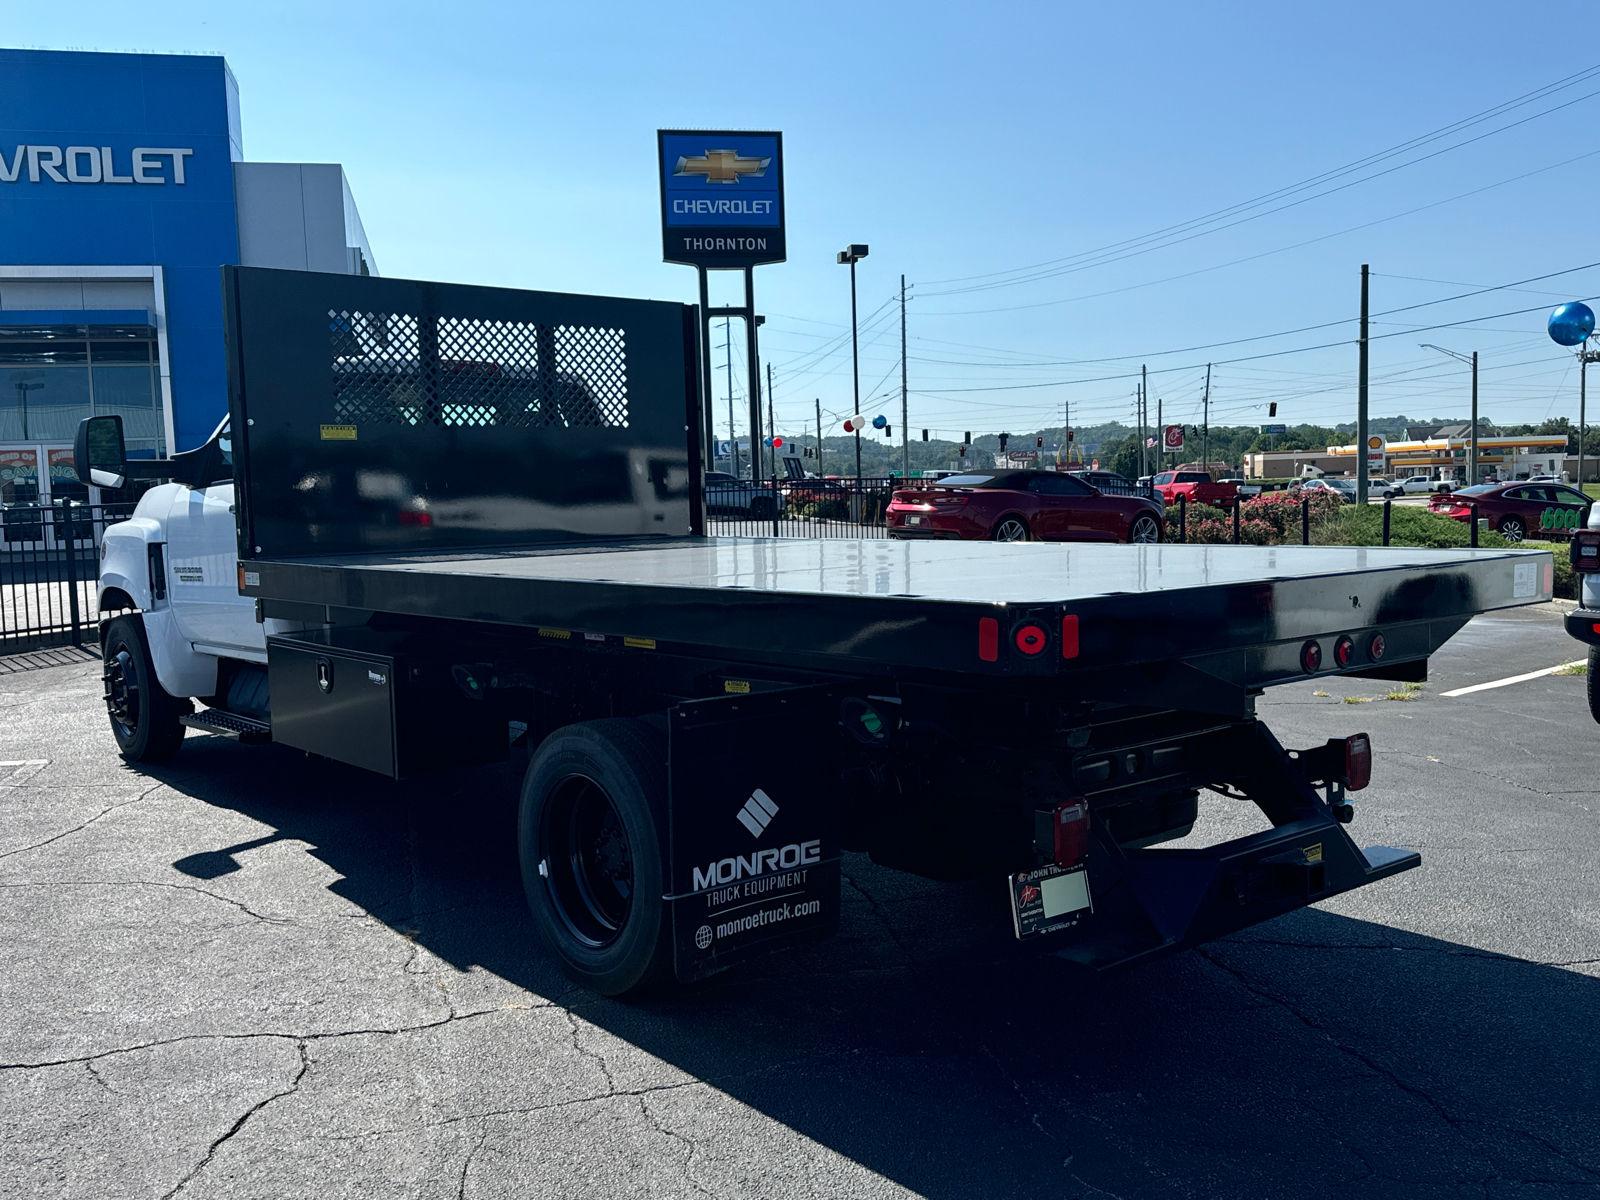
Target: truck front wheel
[[590, 837], [144, 719]]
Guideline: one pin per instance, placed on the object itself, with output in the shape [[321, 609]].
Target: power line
[[1128, 247]]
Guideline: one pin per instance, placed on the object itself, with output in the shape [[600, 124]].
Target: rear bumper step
[[1181, 898], [244, 729]]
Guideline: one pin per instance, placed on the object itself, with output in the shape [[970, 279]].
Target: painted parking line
[[1499, 683]]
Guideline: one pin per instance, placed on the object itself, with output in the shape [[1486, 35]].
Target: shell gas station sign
[[1377, 451]]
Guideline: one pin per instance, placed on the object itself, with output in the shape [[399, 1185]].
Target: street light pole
[[1585, 357], [1472, 445], [853, 254]]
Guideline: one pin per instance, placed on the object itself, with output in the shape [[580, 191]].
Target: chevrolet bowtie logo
[[722, 166]]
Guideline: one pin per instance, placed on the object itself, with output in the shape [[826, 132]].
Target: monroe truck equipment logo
[[796, 854], [757, 813]]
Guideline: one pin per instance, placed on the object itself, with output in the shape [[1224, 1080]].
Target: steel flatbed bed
[[1241, 614]]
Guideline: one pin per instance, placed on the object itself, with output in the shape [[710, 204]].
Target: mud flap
[[753, 826]]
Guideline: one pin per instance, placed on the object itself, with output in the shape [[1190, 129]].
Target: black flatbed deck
[[1241, 613]]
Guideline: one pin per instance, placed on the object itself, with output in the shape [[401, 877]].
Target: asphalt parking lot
[[254, 974]]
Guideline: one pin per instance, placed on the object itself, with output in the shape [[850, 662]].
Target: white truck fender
[[125, 567], [125, 561]]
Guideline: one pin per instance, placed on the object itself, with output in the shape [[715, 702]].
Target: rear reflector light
[[1343, 651], [407, 517], [1030, 640], [1376, 647], [988, 639], [1357, 762], [1310, 657], [1071, 824], [1069, 636], [1549, 577]]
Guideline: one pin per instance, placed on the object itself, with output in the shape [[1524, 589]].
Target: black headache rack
[[477, 505]]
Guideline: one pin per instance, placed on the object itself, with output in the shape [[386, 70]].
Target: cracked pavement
[[253, 974]]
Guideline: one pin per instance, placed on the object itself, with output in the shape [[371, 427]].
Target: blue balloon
[[1571, 324], [879, 421]]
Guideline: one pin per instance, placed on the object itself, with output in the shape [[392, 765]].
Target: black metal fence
[[49, 564], [807, 508]]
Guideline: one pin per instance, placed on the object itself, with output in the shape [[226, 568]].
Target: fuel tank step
[[229, 725]]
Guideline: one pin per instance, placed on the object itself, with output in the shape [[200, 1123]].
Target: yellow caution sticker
[[1313, 853], [338, 433], [739, 687], [562, 634], [640, 643]]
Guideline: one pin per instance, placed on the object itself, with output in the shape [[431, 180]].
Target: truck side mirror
[[98, 454]]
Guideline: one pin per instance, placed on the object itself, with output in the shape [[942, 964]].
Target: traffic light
[[1069, 435], [924, 435], [888, 430], [966, 438], [1004, 437], [1272, 409], [961, 452], [1039, 442]]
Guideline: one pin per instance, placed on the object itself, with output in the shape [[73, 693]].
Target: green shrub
[[1359, 525]]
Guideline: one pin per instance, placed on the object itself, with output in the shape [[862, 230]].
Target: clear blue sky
[[514, 145]]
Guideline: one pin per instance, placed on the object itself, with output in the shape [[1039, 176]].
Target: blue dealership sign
[[721, 198]]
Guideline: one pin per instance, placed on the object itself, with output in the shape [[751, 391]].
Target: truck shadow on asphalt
[[1312, 1056]]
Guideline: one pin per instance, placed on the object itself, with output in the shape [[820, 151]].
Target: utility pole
[[772, 429], [1144, 416], [1361, 399], [733, 439], [905, 418], [1206, 422], [819, 437], [853, 254], [1472, 452]]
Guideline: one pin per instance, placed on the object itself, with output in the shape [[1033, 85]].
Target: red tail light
[[407, 517], [988, 639], [1069, 636], [1071, 824], [1357, 762]]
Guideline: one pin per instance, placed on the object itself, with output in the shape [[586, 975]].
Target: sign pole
[[1362, 449], [752, 362], [705, 371]]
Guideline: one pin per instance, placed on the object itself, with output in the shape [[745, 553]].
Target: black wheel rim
[[587, 861], [1011, 530], [122, 691]]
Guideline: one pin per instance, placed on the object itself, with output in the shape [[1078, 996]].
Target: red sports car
[[1021, 506], [1519, 510]]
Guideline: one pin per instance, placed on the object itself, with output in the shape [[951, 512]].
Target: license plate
[[913, 520], [1048, 899]]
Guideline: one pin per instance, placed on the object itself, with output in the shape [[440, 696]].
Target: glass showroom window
[[53, 376]]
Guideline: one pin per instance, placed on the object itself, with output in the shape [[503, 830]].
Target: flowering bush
[[1271, 519]]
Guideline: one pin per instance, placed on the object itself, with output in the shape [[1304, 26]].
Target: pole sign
[[1377, 447], [721, 198], [1174, 439]]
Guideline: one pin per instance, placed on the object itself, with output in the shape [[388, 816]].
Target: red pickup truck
[[1198, 486]]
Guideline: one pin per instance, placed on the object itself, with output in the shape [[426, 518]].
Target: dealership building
[[124, 189]]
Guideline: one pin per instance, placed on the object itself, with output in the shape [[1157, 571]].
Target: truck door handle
[[324, 675]]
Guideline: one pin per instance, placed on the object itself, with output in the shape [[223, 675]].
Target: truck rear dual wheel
[[144, 718], [591, 839]]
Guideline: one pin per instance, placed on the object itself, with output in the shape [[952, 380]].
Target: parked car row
[[1021, 506], [1519, 510]]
